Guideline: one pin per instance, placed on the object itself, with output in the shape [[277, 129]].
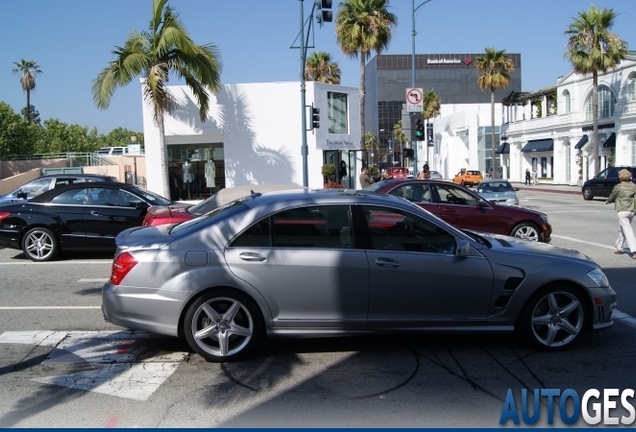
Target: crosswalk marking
[[119, 363]]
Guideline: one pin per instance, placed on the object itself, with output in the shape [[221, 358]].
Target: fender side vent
[[512, 283], [502, 301]]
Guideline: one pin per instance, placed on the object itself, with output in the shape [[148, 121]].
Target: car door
[[109, 212], [303, 261], [415, 277]]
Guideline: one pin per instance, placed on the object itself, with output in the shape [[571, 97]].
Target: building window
[[338, 119], [631, 88], [566, 98], [633, 151], [606, 102]]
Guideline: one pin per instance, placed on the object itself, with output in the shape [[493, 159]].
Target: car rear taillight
[[4, 215], [123, 264]]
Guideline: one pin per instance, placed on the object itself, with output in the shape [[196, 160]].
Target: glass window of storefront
[[195, 171], [337, 103]]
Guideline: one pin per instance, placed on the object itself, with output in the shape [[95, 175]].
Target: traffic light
[[315, 118], [409, 153], [324, 14], [419, 130], [429, 135]]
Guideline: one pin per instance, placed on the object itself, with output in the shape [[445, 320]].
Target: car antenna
[[255, 194]]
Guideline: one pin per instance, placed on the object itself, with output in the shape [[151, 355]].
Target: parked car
[[604, 182], [498, 191], [44, 183], [468, 177], [398, 172], [465, 209], [112, 151], [75, 217], [435, 175], [179, 212], [316, 263]]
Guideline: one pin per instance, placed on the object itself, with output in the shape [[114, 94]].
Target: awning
[[611, 141], [579, 145], [543, 145], [503, 149]]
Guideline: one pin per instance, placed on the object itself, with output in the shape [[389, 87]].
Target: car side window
[[313, 227], [258, 235], [449, 194], [414, 192], [602, 174], [36, 186], [72, 197], [392, 229]]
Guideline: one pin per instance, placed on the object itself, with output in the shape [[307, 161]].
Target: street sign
[[414, 100]]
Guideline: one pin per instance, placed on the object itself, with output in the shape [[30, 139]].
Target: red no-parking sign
[[414, 100]]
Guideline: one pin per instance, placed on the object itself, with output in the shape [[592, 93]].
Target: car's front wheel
[[587, 193], [554, 318], [223, 325], [526, 231], [40, 244]]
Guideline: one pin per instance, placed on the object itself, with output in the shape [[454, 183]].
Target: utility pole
[[413, 33]]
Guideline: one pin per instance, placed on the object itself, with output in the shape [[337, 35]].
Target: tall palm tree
[[592, 48], [29, 69], [400, 137], [320, 67], [363, 26], [370, 144], [496, 69], [165, 48], [432, 107]]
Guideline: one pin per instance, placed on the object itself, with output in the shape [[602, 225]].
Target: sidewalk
[[549, 187]]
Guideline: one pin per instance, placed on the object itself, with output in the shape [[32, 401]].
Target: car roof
[[74, 175], [491, 180], [230, 194]]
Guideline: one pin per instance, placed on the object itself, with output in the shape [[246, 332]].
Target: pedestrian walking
[[623, 196], [534, 176], [528, 177]]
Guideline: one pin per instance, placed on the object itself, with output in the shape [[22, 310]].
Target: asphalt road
[[61, 365]]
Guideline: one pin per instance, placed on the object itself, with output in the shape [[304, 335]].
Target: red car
[[397, 172], [180, 212], [465, 209]]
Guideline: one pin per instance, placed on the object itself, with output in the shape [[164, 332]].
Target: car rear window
[[475, 173], [213, 216]]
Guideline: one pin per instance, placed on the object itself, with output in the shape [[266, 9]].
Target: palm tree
[[363, 26], [319, 67], [370, 143], [592, 48], [400, 137], [496, 68], [165, 48], [432, 107], [29, 69]]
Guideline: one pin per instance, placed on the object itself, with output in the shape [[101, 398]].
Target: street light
[[413, 33]]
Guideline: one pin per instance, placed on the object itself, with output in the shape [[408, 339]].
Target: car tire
[[223, 325], [587, 194], [554, 318], [527, 231], [40, 244]]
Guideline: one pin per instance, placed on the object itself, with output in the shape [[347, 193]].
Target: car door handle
[[387, 263], [95, 213], [251, 256], [448, 210]]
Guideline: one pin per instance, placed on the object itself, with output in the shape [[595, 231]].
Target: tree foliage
[[321, 68], [27, 69], [19, 137]]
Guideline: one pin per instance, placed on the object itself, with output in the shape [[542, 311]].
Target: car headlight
[[598, 277]]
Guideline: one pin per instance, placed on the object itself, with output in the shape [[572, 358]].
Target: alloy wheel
[[557, 319]]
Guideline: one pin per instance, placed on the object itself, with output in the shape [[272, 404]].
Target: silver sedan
[[314, 263]]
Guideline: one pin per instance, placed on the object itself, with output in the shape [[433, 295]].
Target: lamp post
[[390, 141], [413, 33]]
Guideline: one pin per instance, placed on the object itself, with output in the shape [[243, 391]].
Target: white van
[[112, 151]]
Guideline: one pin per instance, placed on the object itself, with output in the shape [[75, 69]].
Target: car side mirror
[[22, 195], [516, 189], [141, 205], [481, 202], [463, 248]]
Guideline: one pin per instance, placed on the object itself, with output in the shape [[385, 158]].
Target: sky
[[73, 40]]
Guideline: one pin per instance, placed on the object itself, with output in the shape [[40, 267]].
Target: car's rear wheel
[[587, 193], [223, 325], [526, 231], [40, 244], [554, 318]]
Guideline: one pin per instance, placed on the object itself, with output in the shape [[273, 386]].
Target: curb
[[551, 189]]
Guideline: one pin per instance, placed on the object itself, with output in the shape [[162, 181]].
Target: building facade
[[552, 130], [453, 77], [252, 136]]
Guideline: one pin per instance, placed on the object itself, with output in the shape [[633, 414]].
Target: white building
[[551, 130], [253, 136]]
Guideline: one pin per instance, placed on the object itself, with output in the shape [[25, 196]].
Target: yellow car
[[468, 177]]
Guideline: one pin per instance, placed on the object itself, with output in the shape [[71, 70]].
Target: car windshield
[[151, 197], [375, 186]]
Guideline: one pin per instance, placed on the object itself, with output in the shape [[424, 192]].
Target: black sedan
[[76, 217]]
